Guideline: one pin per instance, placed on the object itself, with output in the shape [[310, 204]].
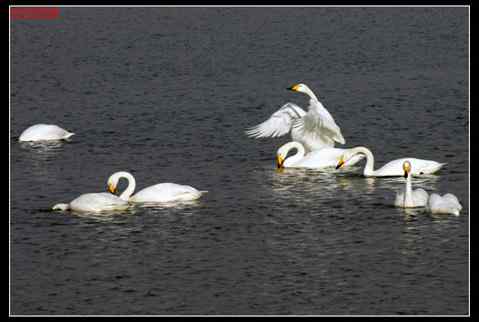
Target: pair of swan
[[339, 158], [103, 201], [436, 204], [44, 132]]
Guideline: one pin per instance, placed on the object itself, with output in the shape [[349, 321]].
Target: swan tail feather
[[61, 206]]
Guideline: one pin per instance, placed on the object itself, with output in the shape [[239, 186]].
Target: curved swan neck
[[310, 93], [296, 157], [125, 195], [369, 167]]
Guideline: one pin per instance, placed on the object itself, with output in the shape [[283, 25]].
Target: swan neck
[[125, 195], [408, 193], [369, 167], [296, 157], [310, 93]]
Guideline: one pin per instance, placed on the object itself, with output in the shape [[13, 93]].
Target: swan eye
[[421, 172]]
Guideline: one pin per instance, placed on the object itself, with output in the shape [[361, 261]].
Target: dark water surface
[[166, 94]]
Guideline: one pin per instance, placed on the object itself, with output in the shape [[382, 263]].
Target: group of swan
[[314, 133], [436, 204], [103, 201]]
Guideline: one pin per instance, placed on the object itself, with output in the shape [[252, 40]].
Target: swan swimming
[[325, 157], [409, 198], [393, 168], [162, 192], [44, 132], [447, 204], [315, 129]]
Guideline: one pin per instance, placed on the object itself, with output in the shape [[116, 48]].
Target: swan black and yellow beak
[[406, 174], [279, 162], [340, 163], [293, 88], [112, 188]]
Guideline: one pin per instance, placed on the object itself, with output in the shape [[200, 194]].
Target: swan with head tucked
[[315, 129], [447, 204], [94, 202], [325, 157], [44, 132], [391, 169], [409, 198], [161, 192]]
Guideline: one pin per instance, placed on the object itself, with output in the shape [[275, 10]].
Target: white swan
[[162, 192], [94, 202], [409, 198], [44, 132], [447, 204], [315, 129], [325, 157], [392, 168]]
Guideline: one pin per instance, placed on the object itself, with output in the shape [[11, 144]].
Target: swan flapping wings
[[315, 129]]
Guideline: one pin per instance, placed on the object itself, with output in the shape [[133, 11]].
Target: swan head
[[341, 161], [300, 88], [407, 168], [283, 151]]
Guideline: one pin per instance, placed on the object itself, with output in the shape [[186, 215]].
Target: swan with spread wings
[[315, 129]]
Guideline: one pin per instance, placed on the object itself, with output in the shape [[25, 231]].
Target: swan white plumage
[[162, 192], [447, 204], [392, 168], [314, 129], [325, 157], [94, 202], [409, 198], [44, 132]]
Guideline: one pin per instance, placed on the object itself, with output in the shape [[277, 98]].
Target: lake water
[[166, 94]]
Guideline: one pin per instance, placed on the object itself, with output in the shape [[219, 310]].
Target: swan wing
[[399, 201], [96, 202], [452, 200], [165, 192], [279, 123], [420, 197]]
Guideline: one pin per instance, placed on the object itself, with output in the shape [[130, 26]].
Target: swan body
[[409, 198], [44, 132], [162, 192], [325, 157], [315, 129], [94, 202], [393, 168], [447, 204]]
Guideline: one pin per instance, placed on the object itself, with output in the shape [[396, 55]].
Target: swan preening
[[44, 132], [409, 198], [325, 157], [391, 169], [315, 129], [447, 204], [161, 192]]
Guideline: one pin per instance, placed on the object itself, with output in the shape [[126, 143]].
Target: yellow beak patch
[[111, 188], [279, 161]]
